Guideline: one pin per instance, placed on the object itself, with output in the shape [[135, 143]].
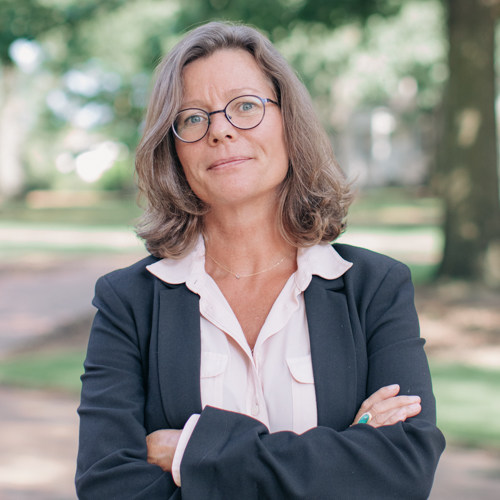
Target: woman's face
[[230, 166]]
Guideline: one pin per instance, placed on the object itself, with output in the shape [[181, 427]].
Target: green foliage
[[24, 19], [350, 54], [369, 65], [277, 16], [32, 19], [118, 177], [92, 87]]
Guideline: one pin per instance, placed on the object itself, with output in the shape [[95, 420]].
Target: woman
[[247, 357]]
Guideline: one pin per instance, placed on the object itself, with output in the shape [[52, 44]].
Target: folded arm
[[112, 457], [393, 457]]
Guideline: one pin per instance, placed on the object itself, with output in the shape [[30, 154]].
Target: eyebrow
[[195, 103]]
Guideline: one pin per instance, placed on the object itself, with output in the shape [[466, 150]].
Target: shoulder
[[376, 282], [132, 282], [370, 266], [135, 272], [361, 255]]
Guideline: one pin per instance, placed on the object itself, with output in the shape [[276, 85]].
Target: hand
[[161, 447], [387, 408]]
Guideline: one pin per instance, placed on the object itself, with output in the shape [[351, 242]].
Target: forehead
[[224, 74]]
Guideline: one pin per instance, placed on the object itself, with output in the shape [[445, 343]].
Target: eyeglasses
[[243, 112]]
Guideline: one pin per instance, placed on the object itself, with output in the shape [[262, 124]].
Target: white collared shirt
[[274, 383]]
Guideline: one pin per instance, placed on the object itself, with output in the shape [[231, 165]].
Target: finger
[[382, 394], [394, 403], [400, 415], [394, 416]]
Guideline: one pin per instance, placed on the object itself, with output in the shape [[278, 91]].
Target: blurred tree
[[90, 87], [468, 160], [32, 19], [27, 20]]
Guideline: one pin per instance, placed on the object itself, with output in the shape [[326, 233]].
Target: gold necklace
[[238, 276]]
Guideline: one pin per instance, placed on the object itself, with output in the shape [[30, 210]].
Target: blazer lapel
[[179, 354], [332, 352]]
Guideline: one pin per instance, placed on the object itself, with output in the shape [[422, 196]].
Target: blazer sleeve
[[231, 455], [112, 456]]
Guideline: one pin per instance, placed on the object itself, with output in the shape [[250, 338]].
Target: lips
[[233, 160]]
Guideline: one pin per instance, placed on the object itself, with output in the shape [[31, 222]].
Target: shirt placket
[[256, 404]]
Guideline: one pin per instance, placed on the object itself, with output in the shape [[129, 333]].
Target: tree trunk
[[468, 173]]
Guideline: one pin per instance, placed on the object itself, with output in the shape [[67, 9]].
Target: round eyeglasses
[[243, 112]]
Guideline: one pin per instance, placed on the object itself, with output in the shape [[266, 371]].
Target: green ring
[[364, 419]]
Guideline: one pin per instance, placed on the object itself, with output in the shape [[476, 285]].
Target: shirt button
[[255, 408]]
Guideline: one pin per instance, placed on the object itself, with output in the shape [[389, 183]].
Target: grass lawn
[[104, 210], [395, 207], [468, 402], [52, 371]]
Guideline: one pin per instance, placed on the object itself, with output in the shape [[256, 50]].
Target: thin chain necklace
[[238, 276]]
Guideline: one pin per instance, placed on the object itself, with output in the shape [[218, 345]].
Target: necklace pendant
[[237, 276]]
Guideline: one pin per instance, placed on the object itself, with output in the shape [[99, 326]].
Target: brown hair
[[314, 196]]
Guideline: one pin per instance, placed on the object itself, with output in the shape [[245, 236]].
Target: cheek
[[180, 151], [186, 160], [276, 136], [281, 155]]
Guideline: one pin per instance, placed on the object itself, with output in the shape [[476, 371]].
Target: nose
[[220, 128]]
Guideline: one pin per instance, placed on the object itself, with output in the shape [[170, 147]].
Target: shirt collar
[[184, 270], [321, 260]]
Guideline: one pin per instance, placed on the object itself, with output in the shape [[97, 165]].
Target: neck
[[244, 241]]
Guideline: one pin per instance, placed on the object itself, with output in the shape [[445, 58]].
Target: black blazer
[[142, 373]]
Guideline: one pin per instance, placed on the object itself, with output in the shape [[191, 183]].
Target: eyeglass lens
[[243, 112]]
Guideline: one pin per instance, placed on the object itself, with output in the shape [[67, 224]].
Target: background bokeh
[[405, 89]]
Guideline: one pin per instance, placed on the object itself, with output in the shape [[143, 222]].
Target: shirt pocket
[[212, 370], [305, 414]]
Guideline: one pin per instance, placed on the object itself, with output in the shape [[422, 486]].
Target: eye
[[247, 106], [193, 119]]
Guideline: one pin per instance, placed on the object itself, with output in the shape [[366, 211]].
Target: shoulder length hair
[[313, 198]]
